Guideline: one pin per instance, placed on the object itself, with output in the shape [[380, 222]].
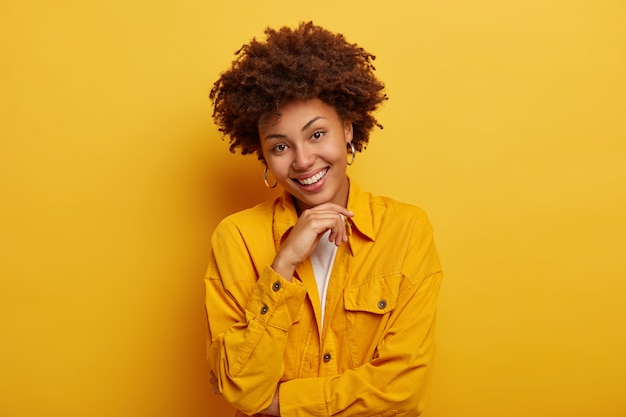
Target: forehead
[[296, 114]]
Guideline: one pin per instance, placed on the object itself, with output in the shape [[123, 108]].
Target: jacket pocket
[[367, 307]]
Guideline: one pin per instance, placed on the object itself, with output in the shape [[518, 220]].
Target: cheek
[[278, 166], [341, 154]]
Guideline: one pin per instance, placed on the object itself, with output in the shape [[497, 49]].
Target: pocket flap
[[378, 295]]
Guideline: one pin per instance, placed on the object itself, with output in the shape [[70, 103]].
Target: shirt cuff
[[304, 396], [276, 301]]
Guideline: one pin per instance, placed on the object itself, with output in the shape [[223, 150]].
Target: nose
[[303, 158]]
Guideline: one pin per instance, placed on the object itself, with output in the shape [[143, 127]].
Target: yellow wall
[[506, 123]]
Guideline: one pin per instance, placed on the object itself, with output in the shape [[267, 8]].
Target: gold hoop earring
[[352, 153], [267, 184]]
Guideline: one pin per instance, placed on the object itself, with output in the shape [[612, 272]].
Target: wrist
[[283, 267]]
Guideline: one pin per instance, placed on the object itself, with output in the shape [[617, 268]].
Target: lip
[[311, 187]]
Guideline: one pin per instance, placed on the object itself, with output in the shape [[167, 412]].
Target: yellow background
[[506, 123]]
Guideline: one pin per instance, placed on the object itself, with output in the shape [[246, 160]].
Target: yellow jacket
[[374, 355]]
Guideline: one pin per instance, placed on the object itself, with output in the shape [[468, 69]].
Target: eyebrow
[[305, 127]]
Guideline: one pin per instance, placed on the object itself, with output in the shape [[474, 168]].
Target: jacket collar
[[359, 203]]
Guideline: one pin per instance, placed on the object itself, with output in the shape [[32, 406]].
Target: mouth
[[312, 179]]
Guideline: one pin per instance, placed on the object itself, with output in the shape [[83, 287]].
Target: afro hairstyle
[[302, 63]]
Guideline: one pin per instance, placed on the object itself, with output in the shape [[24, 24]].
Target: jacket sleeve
[[250, 311], [396, 380]]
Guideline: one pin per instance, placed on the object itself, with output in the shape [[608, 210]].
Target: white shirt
[[322, 259]]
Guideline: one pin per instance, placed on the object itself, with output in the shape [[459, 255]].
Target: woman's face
[[305, 147]]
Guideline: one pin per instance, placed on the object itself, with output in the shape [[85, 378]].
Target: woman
[[323, 301]]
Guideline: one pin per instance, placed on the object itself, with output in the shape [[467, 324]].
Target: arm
[[397, 379], [248, 321], [250, 312]]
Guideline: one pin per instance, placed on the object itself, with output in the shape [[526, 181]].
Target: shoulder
[[392, 210], [394, 206], [380, 205], [378, 214], [248, 219], [402, 229]]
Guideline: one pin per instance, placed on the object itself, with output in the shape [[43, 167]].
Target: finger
[[341, 239], [310, 227], [334, 208], [320, 222], [214, 384], [339, 234]]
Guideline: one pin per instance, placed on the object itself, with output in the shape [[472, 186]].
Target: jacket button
[[276, 286], [382, 304], [264, 309], [327, 357]]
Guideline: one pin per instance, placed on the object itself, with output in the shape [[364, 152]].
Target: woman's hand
[[214, 384], [306, 233]]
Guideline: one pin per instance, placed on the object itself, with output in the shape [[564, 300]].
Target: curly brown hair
[[296, 64]]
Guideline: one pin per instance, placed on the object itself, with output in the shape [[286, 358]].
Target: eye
[[317, 135], [281, 147]]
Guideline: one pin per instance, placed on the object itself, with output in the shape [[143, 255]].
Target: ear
[[347, 130]]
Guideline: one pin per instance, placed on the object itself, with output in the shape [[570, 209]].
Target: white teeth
[[315, 178]]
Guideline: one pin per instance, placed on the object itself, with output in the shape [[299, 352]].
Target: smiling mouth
[[315, 178]]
